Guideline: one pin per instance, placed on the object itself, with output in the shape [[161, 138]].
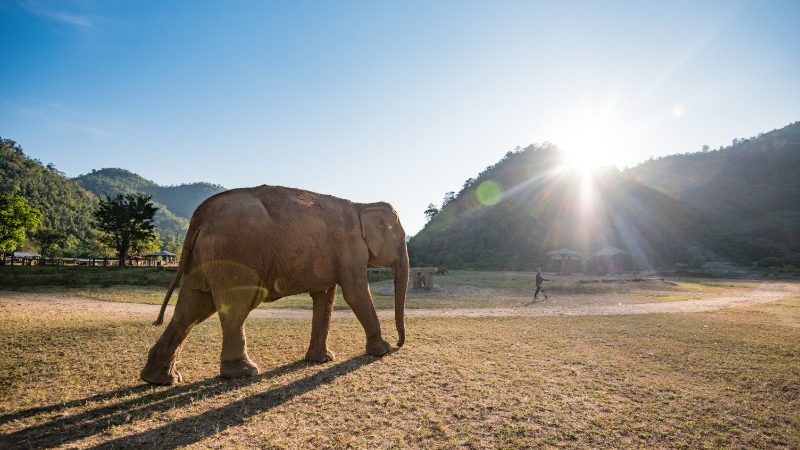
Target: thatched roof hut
[[608, 260], [567, 258]]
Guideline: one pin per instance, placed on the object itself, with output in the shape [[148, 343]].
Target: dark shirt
[[539, 279]]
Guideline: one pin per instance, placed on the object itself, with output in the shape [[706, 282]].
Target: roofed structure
[[566, 256], [164, 255], [26, 255], [608, 260]]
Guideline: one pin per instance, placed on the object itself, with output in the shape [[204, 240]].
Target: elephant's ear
[[373, 228]]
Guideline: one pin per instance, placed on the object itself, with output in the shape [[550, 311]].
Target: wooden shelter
[[566, 260], [164, 256], [422, 277], [609, 260], [25, 258]]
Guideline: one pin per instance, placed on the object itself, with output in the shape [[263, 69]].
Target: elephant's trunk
[[400, 288]]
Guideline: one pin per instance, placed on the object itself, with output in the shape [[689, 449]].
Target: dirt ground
[[682, 366], [566, 305]]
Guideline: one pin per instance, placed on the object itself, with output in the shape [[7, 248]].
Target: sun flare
[[590, 142]]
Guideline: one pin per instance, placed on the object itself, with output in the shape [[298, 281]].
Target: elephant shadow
[[143, 401]]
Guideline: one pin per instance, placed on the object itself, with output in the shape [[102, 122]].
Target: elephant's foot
[[160, 375], [319, 355], [238, 368], [378, 347]]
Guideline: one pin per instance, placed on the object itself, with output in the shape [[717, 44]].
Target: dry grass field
[[723, 378]]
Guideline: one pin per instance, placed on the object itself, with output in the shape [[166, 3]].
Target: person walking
[[539, 288]]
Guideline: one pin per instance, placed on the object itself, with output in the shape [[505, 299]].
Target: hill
[[750, 178], [753, 185], [181, 200], [176, 203], [64, 204], [68, 204], [739, 203], [527, 204]]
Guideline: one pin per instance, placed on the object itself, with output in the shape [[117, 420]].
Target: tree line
[[123, 224]]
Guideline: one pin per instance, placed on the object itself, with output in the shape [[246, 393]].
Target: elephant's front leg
[[355, 289], [320, 323], [234, 360]]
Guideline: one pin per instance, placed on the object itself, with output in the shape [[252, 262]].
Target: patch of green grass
[[720, 379], [523, 283], [22, 277], [702, 286]]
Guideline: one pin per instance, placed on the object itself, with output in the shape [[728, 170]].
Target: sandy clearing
[[48, 303]]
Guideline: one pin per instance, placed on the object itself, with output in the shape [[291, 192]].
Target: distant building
[[609, 260], [565, 260], [162, 256], [25, 258]]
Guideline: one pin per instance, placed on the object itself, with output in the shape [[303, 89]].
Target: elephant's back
[[272, 231], [285, 219], [282, 205]]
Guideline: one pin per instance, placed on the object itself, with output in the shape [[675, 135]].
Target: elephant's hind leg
[[193, 307], [320, 323], [234, 305]]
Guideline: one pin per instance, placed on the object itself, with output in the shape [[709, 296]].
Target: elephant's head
[[386, 241]]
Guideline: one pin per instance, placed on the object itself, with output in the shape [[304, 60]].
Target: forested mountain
[[64, 205], [516, 211], [68, 204], [176, 203], [748, 179], [740, 203], [181, 200], [753, 185]]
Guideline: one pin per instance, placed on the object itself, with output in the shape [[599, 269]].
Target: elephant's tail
[[172, 286], [186, 253]]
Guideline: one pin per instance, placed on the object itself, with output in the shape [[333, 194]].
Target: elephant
[[249, 245]]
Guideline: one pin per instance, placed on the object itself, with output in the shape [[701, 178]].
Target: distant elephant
[[245, 246]]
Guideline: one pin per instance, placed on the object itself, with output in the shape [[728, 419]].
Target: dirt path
[[37, 303]]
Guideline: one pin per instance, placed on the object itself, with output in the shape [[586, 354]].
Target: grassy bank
[[721, 379], [28, 277]]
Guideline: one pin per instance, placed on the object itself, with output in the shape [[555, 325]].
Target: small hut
[[566, 260], [25, 258], [422, 277], [162, 256], [609, 260]]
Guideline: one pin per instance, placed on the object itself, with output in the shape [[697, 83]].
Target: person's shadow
[[64, 430]]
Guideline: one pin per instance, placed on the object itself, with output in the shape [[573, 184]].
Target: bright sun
[[590, 143]]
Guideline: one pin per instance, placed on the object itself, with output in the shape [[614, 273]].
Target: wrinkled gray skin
[[245, 246]]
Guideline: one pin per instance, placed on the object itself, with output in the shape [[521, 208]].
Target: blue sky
[[394, 101]]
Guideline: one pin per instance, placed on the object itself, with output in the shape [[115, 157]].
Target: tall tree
[[126, 221], [431, 212], [48, 239], [16, 218]]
